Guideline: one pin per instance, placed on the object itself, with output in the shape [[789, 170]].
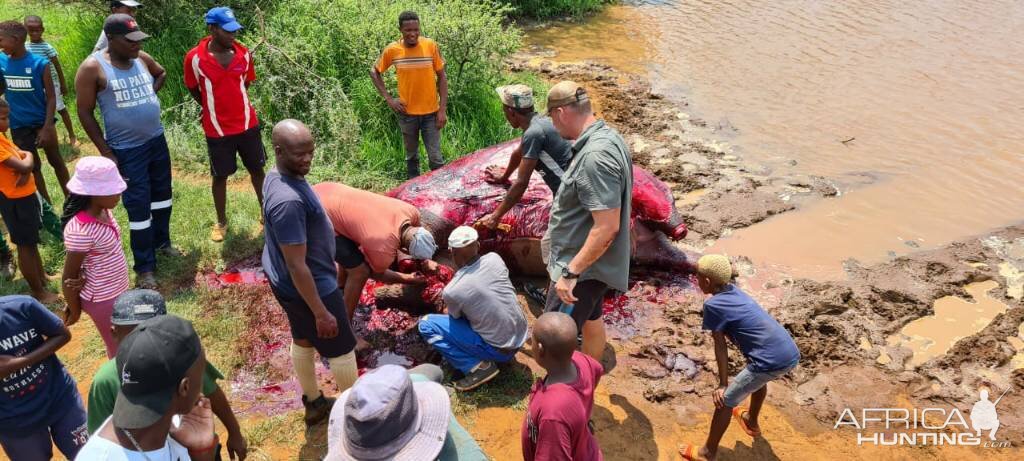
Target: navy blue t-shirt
[[37, 395], [763, 341], [25, 91], [293, 216]]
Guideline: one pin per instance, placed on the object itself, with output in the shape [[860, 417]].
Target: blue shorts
[[747, 382]]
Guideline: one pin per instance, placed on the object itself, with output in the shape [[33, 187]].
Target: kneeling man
[[484, 323]]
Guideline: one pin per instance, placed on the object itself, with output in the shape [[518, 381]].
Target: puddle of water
[[930, 91], [954, 319], [1014, 280]]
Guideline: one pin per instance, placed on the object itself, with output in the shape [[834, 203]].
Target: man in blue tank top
[[123, 81]]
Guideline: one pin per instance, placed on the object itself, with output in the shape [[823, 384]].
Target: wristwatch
[[568, 275]]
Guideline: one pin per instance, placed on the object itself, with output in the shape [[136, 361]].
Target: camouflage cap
[[517, 96]]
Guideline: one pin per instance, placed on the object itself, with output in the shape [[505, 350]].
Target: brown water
[[932, 92]]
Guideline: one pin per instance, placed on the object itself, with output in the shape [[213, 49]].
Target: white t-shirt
[[100, 449]]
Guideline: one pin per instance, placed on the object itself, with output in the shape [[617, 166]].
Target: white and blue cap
[[462, 237], [385, 415], [224, 18], [422, 245]]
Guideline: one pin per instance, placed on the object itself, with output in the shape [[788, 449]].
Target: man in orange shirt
[[421, 78], [373, 232]]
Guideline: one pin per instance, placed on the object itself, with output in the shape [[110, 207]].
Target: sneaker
[[7, 266], [317, 410], [483, 372], [170, 251], [146, 281], [218, 232]]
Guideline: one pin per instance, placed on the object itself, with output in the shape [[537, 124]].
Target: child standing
[[768, 347], [33, 101], [20, 209], [93, 242], [39, 47], [39, 402]]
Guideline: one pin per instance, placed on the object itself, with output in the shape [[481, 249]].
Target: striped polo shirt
[[416, 68], [105, 267]]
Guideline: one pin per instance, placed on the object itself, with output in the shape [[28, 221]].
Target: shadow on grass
[[315, 447], [632, 438], [240, 245], [509, 389]]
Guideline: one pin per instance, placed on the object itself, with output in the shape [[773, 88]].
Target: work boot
[[170, 251], [146, 281], [317, 410], [479, 375], [219, 232]]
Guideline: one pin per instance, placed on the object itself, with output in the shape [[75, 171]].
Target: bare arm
[[302, 278], [355, 279], [10, 364], [721, 357], [222, 408], [87, 84], [396, 105], [51, 99], [390, 276], [55, 62], [155, 69], [515, 193], [495, 174], [72, 271], [442, 90], [20, 165], [600, 237], [196, 95]]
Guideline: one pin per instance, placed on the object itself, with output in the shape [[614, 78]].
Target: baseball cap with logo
[[224, 18], [134, 306], [123, 24], [151, 362], [516, 96], [564, 93]]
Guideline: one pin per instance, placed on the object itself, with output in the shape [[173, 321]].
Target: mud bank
[[716, 191]]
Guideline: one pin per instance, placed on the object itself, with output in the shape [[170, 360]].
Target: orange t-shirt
[[9, 177], [416, 69], [371, 220]]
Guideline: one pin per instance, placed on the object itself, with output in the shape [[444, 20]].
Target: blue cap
[[223, 17]]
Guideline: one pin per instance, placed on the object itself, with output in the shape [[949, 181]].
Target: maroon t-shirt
[[555, 427]]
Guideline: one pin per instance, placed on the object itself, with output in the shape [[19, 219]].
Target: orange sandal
[[689, 452], [737, 413]]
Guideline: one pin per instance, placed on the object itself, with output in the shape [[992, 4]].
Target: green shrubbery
[[551, 8]]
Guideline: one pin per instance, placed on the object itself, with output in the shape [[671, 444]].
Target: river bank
[[861, 335]]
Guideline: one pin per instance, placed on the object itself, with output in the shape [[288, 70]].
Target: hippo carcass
[[457, 194]]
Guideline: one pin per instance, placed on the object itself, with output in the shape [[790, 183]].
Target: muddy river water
[[928, 95]]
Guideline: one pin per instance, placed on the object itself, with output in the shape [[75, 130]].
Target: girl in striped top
[[95, 269]]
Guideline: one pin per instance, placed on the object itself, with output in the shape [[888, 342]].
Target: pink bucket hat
[[96, 176]]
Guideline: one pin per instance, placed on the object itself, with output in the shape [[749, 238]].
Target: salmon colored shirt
[[371, 220], [9, 177], [416, 68]]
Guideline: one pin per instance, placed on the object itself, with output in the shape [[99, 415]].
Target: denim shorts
[[747, 382]]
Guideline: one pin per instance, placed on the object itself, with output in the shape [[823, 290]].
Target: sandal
[[689, 452], [737, 413]]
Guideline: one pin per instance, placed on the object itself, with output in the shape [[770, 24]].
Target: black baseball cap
[[134, 306], [151, 362], [123, 24]]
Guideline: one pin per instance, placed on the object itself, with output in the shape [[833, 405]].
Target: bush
[[550, 8]]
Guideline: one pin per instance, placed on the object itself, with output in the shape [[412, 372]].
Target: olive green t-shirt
[[103, 392], [600, 177]]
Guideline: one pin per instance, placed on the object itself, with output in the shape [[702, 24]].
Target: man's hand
[[442, 119], [196, 429], [9, 364], [237, 446], [397, 105], [326, 326], [495, 174], [489, 221], [71, 316], [75, 284], [47, 135], [719, 397], [429, 266], [22, 179], [564, 289], [412, 279]]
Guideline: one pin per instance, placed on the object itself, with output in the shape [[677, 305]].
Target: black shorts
[[590, 296], [346, 253], [248, 145], [25, 139], [23, 217], [303, 324]]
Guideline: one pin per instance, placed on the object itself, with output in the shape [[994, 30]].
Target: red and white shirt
[[226, 107], [105, 267]]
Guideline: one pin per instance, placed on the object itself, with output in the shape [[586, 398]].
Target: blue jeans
[[69, 434], [414, 126], [147, 170], [747, 382], [458, 343]]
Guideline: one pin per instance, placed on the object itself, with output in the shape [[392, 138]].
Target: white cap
[[462, 236]]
